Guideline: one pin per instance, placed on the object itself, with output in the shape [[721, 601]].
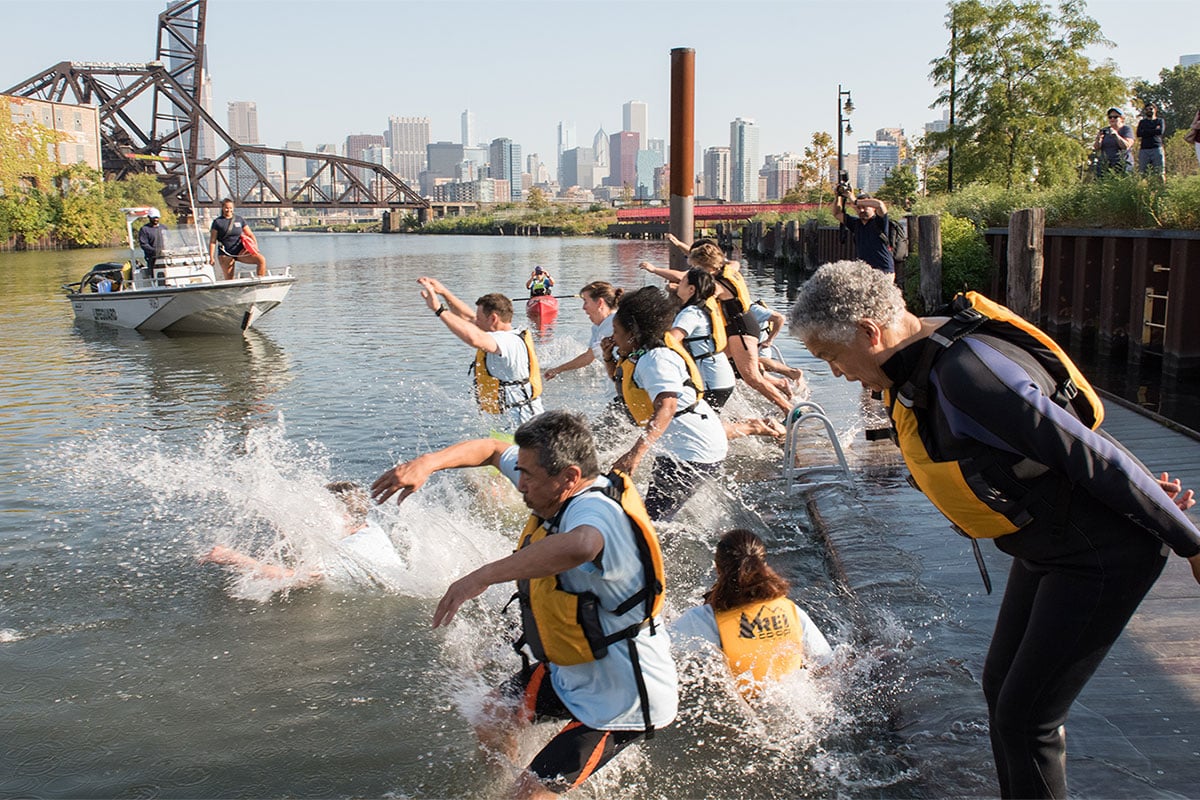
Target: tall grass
[[1122, 201]]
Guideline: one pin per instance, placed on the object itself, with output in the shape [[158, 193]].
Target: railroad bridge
[[169, 145]]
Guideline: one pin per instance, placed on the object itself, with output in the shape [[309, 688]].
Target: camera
[[843, 184]]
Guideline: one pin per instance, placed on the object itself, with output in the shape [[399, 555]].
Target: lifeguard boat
[[182, 292]]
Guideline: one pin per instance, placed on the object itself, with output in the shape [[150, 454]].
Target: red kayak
[[542, 309]]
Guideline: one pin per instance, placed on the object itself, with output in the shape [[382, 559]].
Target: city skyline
[[524, 95]]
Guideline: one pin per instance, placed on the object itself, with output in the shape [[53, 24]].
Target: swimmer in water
[[362, 542], [747, 614]]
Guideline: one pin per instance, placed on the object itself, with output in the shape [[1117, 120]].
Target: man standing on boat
[[230, 240], [507, 378], [150, 239]]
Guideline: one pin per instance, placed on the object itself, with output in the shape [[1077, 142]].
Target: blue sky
[[321, 70]]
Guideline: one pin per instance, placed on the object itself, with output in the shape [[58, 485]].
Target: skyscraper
[[783, 174], [600, 148], [875, 161], [505, 160], [566, 141], [243, 122], [622, 154], [716, 173], [468, 128], [408, 137], [635, 116], [743, 161], [243, 127]]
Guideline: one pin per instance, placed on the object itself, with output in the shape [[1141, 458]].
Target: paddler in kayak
[[540, 284]]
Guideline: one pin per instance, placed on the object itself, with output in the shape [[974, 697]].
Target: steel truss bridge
[[169, 146]]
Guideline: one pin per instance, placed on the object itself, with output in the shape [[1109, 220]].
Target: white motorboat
[[181, 294]]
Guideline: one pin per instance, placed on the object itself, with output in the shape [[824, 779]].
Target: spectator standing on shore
[[1000, 431], [1150, 142], [227, 242], [870, 228], [508, 381], [1193, 134], [1113, 146]]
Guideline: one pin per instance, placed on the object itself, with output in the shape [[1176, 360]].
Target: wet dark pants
[[1069, 595]]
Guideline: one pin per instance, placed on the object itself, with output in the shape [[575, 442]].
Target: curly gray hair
[[831, 303]]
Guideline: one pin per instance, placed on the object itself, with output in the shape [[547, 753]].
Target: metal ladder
[[801, 413]]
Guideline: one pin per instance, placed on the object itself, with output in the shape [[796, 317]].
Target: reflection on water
[[129, 669]]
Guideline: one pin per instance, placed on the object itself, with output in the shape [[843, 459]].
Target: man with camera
[[870, 227]]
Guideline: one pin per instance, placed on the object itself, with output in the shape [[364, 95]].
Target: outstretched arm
[[578, 362], [665, 405], [679, 244], [550, 556], [436, 287], [409, 476], [673, 275]]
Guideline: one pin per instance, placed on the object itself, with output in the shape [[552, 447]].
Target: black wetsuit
[[1100, 529]]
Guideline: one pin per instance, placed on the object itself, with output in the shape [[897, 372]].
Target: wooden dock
[[1135, 730]]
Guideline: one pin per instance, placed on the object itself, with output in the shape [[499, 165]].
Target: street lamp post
[[843, 113]]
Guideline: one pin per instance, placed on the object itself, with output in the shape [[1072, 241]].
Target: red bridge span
[[725, 211]]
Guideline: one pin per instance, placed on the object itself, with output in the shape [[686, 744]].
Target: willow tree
[[1027, 99]]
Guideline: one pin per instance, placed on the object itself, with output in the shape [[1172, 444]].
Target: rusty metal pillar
[[683, 137]]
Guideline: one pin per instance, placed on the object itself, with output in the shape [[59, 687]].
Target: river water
[[127, 669]]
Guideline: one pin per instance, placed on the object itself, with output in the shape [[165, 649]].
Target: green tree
[[814, 168], [1176, 96], [1027, 98], [535, 198], [900, 187], [28, 216]]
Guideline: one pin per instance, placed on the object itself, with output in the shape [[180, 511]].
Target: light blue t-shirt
[[599, 333], [603, 694], [699, 622], [696, 436], [762, 315], [511, 363], [367, 556], [715, 369]]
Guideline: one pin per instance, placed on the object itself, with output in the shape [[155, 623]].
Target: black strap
[[983, 570], [914, 393], [643, 695]]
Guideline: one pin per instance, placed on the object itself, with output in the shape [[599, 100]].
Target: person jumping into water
[[589, 577]]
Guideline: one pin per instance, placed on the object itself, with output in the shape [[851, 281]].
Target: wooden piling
[[1026, 234], [929, 248]]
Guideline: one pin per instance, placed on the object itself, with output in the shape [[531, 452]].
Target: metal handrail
[[801, 413]]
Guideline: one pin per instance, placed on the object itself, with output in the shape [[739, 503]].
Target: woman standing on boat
[[227, 242]]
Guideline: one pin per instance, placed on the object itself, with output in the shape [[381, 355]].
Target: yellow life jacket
[[718, 338], [564, 627], [944, 482], [489, 389], [638, 400], [733, 280], [761, 641]]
